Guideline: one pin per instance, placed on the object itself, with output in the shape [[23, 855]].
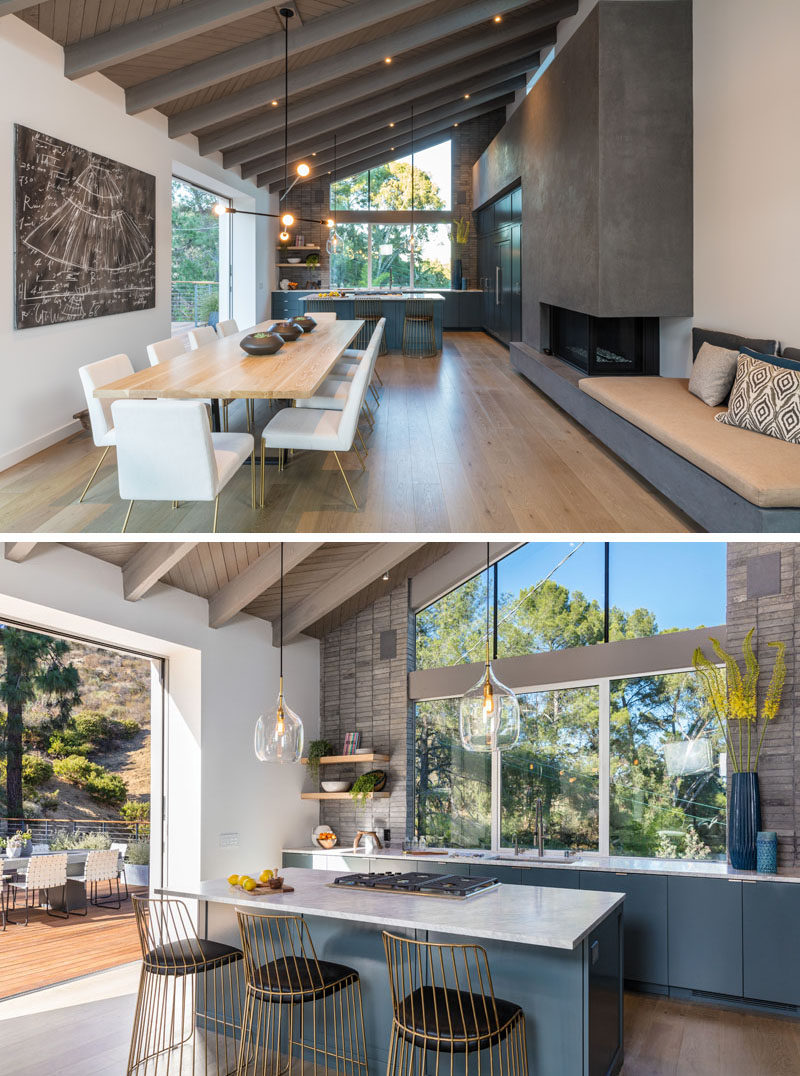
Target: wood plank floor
[[462, 444], [84, 1027], [52, 950]]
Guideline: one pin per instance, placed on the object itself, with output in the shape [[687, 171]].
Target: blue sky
[[683, 583]]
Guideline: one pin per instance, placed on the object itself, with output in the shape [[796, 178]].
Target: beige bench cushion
[[763, 470]]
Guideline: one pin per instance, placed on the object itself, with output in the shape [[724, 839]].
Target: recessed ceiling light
[[385, 577], [498, 18], [314, 153], [455, 125], [274, 104], [466, 97], [391, 125], [387, 59]]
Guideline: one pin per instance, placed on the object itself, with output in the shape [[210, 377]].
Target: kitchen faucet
[[539, 827]]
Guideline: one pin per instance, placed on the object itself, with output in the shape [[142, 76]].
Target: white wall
[[747, 162], [38, 366], [219, 682]]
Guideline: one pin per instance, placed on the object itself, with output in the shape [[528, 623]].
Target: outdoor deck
[[52, 950]]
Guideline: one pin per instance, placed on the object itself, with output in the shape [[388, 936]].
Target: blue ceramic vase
[[767, 852], [744, 820]]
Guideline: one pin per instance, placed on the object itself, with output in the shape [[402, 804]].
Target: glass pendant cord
[[487, 685], [411, 240], [334, 244], [286, 13]]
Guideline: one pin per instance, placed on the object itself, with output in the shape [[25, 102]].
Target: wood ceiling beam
[[381, 558], [353, 139], [11, 7], [238, 61], [383, 142], [18, 551], [353, 96], [344, 64], [259, 576], [153, 32], [369, 115], [149, 565]]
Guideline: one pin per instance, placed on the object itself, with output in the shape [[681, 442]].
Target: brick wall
[[310, 200], [360, 691], [766, 594], [470, 139]]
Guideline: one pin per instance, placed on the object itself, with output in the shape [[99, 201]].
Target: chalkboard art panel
[[84, 233]]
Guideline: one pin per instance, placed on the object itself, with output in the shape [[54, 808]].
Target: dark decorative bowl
[[305, 321], [261, 343], [286, 329]]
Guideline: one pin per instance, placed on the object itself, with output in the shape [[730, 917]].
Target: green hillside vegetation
[[96, 764]]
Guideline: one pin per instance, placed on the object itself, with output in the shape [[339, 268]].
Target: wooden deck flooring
[[462, 444], [52, 950]]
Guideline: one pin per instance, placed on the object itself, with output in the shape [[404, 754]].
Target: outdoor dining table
[[75, 891], [222, 371]]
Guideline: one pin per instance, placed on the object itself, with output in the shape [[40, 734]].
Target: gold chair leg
[[253, 477], [375, 394], [344, 476], [127, 517], [225, 416], [216, 514], [94, 472], [263, 468], [360, 457], [363, 442]]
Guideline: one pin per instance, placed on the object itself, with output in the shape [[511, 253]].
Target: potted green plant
[[20, 844], [137, 863], [366, 784], [312, 261], [733, 696], [318, 749]]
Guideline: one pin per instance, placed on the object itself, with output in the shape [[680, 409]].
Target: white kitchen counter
[[384, 297], [621, 864], [551, 918]]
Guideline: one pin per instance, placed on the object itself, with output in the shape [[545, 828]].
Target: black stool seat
[[293, 980], [186, 956], [433, 1017]]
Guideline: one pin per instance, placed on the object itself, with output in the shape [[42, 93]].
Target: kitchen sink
[[554, 856]]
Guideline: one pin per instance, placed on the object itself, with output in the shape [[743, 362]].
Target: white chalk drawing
[[85, 233]]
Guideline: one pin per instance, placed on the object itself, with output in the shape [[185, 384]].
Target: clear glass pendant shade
[[489, 715], [335, 244], [279, 736], [411, 244]]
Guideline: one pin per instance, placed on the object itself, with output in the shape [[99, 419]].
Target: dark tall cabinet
[[499, 266]]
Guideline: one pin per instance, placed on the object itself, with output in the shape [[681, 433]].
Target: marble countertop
[[552, 918], [621, 864], [433, 296]]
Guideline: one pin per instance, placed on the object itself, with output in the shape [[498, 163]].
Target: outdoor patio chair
[[101, 866], [44, 873], [121, 847]]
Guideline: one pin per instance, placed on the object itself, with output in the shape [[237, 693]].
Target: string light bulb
[[284, 237], [287, 220], [303, 169]]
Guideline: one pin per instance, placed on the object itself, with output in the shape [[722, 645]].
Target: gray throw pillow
[[765, 399], [713, 373]]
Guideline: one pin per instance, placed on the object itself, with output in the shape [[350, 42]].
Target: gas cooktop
[[454, 886]]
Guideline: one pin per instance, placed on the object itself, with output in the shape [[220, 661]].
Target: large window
[[630, 766], [379, 246], [201, 257]]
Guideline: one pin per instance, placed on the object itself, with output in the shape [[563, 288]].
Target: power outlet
[[229, 840]]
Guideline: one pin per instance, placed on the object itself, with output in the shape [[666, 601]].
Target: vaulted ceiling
[[325, 583], [215, 67]]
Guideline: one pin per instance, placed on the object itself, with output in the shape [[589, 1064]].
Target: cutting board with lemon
[[267, 882]]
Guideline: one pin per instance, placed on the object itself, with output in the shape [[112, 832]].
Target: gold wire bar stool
[[443, 1003], [419, 337], [187, 1017], [320, 306], [370, 311], [296, 1002]]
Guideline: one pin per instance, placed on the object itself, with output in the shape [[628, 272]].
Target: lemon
[[233, 879], [249, 885], [266, 875]]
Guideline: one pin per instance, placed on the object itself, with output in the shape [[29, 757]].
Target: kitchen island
[[393, 308], [557, 953]]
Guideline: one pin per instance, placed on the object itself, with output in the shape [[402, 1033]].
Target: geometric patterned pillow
[[765, 398]]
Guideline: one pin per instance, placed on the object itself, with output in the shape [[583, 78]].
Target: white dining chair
[[93, 376], [166, 452], [323, 430], [121, 848], [203, 335], [102, 865], [172, 348], [227, 328], [43, 874]]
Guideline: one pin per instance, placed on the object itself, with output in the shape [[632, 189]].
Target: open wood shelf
[[298, 248], [341, 796], [328, 760]]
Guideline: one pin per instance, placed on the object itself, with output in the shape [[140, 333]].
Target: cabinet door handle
[[497, 285]]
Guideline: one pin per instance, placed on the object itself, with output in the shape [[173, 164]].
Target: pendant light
[[279, 738], [489, 712], [303, 170], [411, 245], [335, 243]]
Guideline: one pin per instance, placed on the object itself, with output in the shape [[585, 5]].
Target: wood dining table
[[222, 371]]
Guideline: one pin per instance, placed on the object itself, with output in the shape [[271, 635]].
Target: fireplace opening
[[606, 346]]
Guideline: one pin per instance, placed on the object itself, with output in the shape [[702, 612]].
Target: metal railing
[[189, 300], [45, 829]]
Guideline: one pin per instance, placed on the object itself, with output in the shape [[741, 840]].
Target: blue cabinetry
[[771, 941], [705, 935], [511, 874], [646, 956]]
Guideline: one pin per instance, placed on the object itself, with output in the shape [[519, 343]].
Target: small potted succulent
[[19, 844]]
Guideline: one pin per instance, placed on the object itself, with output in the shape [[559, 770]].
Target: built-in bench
[[726, 479]]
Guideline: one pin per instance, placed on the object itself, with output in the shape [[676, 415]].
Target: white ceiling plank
[[259, 576], [150, 564]]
